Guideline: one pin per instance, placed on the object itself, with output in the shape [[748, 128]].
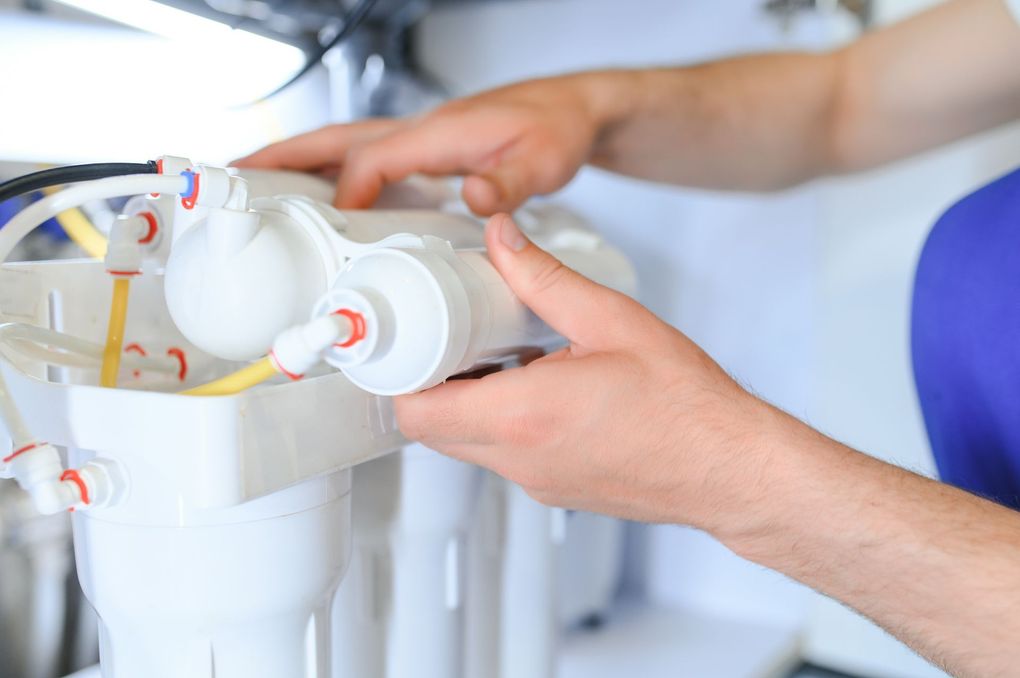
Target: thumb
[[574, 306]]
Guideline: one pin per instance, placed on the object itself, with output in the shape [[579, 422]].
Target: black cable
[[70, 174], [352, 21]]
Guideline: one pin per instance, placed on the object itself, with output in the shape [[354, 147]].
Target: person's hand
[[631, 419], [509, 144]]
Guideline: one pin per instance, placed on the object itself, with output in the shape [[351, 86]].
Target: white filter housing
[[431, 311], [430, 302], [401, 610]]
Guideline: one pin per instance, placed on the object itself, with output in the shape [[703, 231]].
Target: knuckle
[[373, 161], [360, 153]]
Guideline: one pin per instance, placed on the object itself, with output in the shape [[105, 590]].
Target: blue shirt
[[965, 341]]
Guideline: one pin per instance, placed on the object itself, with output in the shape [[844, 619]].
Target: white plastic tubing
[[37, 470], [75, 196], [12, 419], [35, 214], [57, 348]]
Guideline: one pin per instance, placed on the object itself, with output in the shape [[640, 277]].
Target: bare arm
[[937, 567], [632, 419], [771, 121], [753, 123]]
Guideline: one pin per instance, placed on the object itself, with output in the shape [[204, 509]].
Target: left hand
[[631, 419]]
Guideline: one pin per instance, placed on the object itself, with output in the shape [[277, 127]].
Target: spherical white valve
[[233, 285]]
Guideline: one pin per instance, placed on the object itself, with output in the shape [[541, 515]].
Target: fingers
[[434, 147], [475, 420], [318, 149], [504, 165], [484, 196], [462, 411], [502, 190], [504, 179], [587, 314], [505, 182]]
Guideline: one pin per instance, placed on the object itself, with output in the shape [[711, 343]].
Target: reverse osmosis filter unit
[[232, 459]]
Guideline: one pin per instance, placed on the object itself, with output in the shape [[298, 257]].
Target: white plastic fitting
[[158, 213], [216, 187], [124, 251], [34, 462], [105, 482], [54, 496], [173, 164], [37, 468], [231, 226], [299, 349]]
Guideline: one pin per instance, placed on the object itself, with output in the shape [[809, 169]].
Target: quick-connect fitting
[[124, 252], [368, 318], [208, 186], [37, 468], [33, 462], [103, 482], [301, 348], [171, 165], [54, 496]]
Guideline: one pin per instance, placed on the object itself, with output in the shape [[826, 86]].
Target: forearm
[[770, 121], [937, 567], [750, 123]]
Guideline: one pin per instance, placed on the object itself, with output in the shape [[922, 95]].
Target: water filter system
[[224, 433], [422, 299]]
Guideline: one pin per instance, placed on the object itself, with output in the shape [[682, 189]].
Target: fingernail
[[510, 235]]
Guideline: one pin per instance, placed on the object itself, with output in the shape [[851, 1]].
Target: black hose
[[70, 174], [352, 21]]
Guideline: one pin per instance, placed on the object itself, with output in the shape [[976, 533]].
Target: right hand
[[509, 144]]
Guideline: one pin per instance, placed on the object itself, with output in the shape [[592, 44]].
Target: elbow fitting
[[124, 252], [37, 468], [54, 496], [301, 348], [100, 483], [34, 463]]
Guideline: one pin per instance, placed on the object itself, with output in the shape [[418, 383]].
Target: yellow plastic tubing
[[244, 378], [81, 231], [115, 332]]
